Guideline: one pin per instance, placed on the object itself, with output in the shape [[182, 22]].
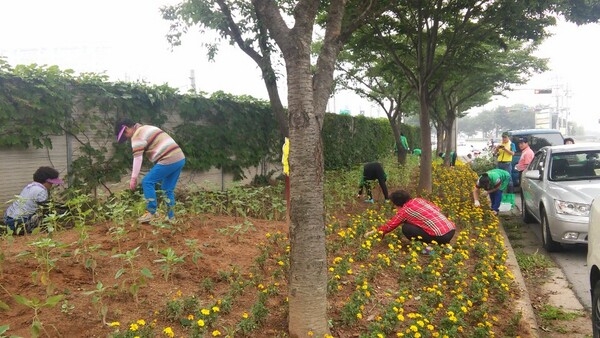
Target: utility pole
[[193, 80]]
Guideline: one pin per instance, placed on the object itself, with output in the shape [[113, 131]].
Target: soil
[[220, 254], [229, 248]]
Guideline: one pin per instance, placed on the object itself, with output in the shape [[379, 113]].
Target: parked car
[[537, 138], [557, 190], [593, 263]]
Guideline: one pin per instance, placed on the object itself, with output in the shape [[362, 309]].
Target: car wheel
[[525, 214], [596, 309], [549, 244]]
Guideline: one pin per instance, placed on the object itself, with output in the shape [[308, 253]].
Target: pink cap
[[56, 181]]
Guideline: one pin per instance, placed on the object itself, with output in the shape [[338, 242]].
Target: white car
[[557, 189], [593, 263]]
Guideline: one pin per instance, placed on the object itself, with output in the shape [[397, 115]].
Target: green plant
[[98, 296], [533, 265], [36, 305], [550, 312], [66, 307], [192, 244], [238, 229], [136, 278], [169, 260], [44, 249]]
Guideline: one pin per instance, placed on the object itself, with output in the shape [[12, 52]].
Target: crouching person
[[420, 219], [22, 215]]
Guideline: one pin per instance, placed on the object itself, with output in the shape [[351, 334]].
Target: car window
[[538, 161], [582, 165], [538, 141]]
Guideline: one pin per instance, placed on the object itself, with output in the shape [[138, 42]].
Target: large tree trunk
[[308, 264]]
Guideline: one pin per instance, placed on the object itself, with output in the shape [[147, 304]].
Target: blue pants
[[496, 199], [167, 176]]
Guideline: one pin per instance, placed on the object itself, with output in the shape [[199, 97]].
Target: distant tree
[[376, 80]]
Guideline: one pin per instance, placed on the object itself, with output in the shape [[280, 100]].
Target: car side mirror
[[533, 174]]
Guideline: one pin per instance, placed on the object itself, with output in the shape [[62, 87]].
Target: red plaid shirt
[[421, 213]]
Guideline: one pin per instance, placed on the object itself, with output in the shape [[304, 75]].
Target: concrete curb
[[522, 304]]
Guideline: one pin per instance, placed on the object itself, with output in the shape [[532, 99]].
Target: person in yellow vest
[[505, 151], [286, 172]]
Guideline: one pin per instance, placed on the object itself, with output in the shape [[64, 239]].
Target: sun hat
[[55, 181], [120, 137]]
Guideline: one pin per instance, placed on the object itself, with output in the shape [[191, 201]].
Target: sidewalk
[[556, 287]]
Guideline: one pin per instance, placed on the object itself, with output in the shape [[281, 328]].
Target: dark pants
[[374, 171], [22, 225], [412, 231]]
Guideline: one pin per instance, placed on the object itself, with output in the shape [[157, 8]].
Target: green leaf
[[146, 272], [119, 273], [51, 301]]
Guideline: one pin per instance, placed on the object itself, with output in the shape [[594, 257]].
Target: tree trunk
[[308, 263], [426, 160]]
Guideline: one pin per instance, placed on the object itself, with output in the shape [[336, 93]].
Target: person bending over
[[373, 171], [160, 149], [494, 182], [420, 219]]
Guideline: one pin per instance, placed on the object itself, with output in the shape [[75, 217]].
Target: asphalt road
[[572, 261]]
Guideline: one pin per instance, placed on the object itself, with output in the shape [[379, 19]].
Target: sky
[[125, 39]]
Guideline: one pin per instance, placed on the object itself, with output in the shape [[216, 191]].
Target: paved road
[[572, 261]]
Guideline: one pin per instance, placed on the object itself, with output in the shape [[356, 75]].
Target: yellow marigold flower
[[268, 234], [190, 317], [414, 328], [200, 323], [245, 315], [205, 312], [113, 324], [359, 315], [215, 309], [133, 327], [216, 333], [310, 333], [141, 322], [169, 332]]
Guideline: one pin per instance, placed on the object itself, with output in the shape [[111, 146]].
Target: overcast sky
[[126, 40]]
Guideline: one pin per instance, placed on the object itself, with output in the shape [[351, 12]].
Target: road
[[572, 261]]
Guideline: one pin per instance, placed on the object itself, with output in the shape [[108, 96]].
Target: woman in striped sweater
[[160, 149]]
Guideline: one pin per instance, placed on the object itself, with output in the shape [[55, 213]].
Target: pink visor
[[121, 138], [55, 181]]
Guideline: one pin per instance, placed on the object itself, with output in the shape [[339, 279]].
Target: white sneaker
[[146, 218]]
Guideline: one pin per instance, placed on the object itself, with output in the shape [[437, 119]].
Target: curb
[[523, 303]]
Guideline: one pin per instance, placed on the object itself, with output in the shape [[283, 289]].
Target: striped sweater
[[158, 145]]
